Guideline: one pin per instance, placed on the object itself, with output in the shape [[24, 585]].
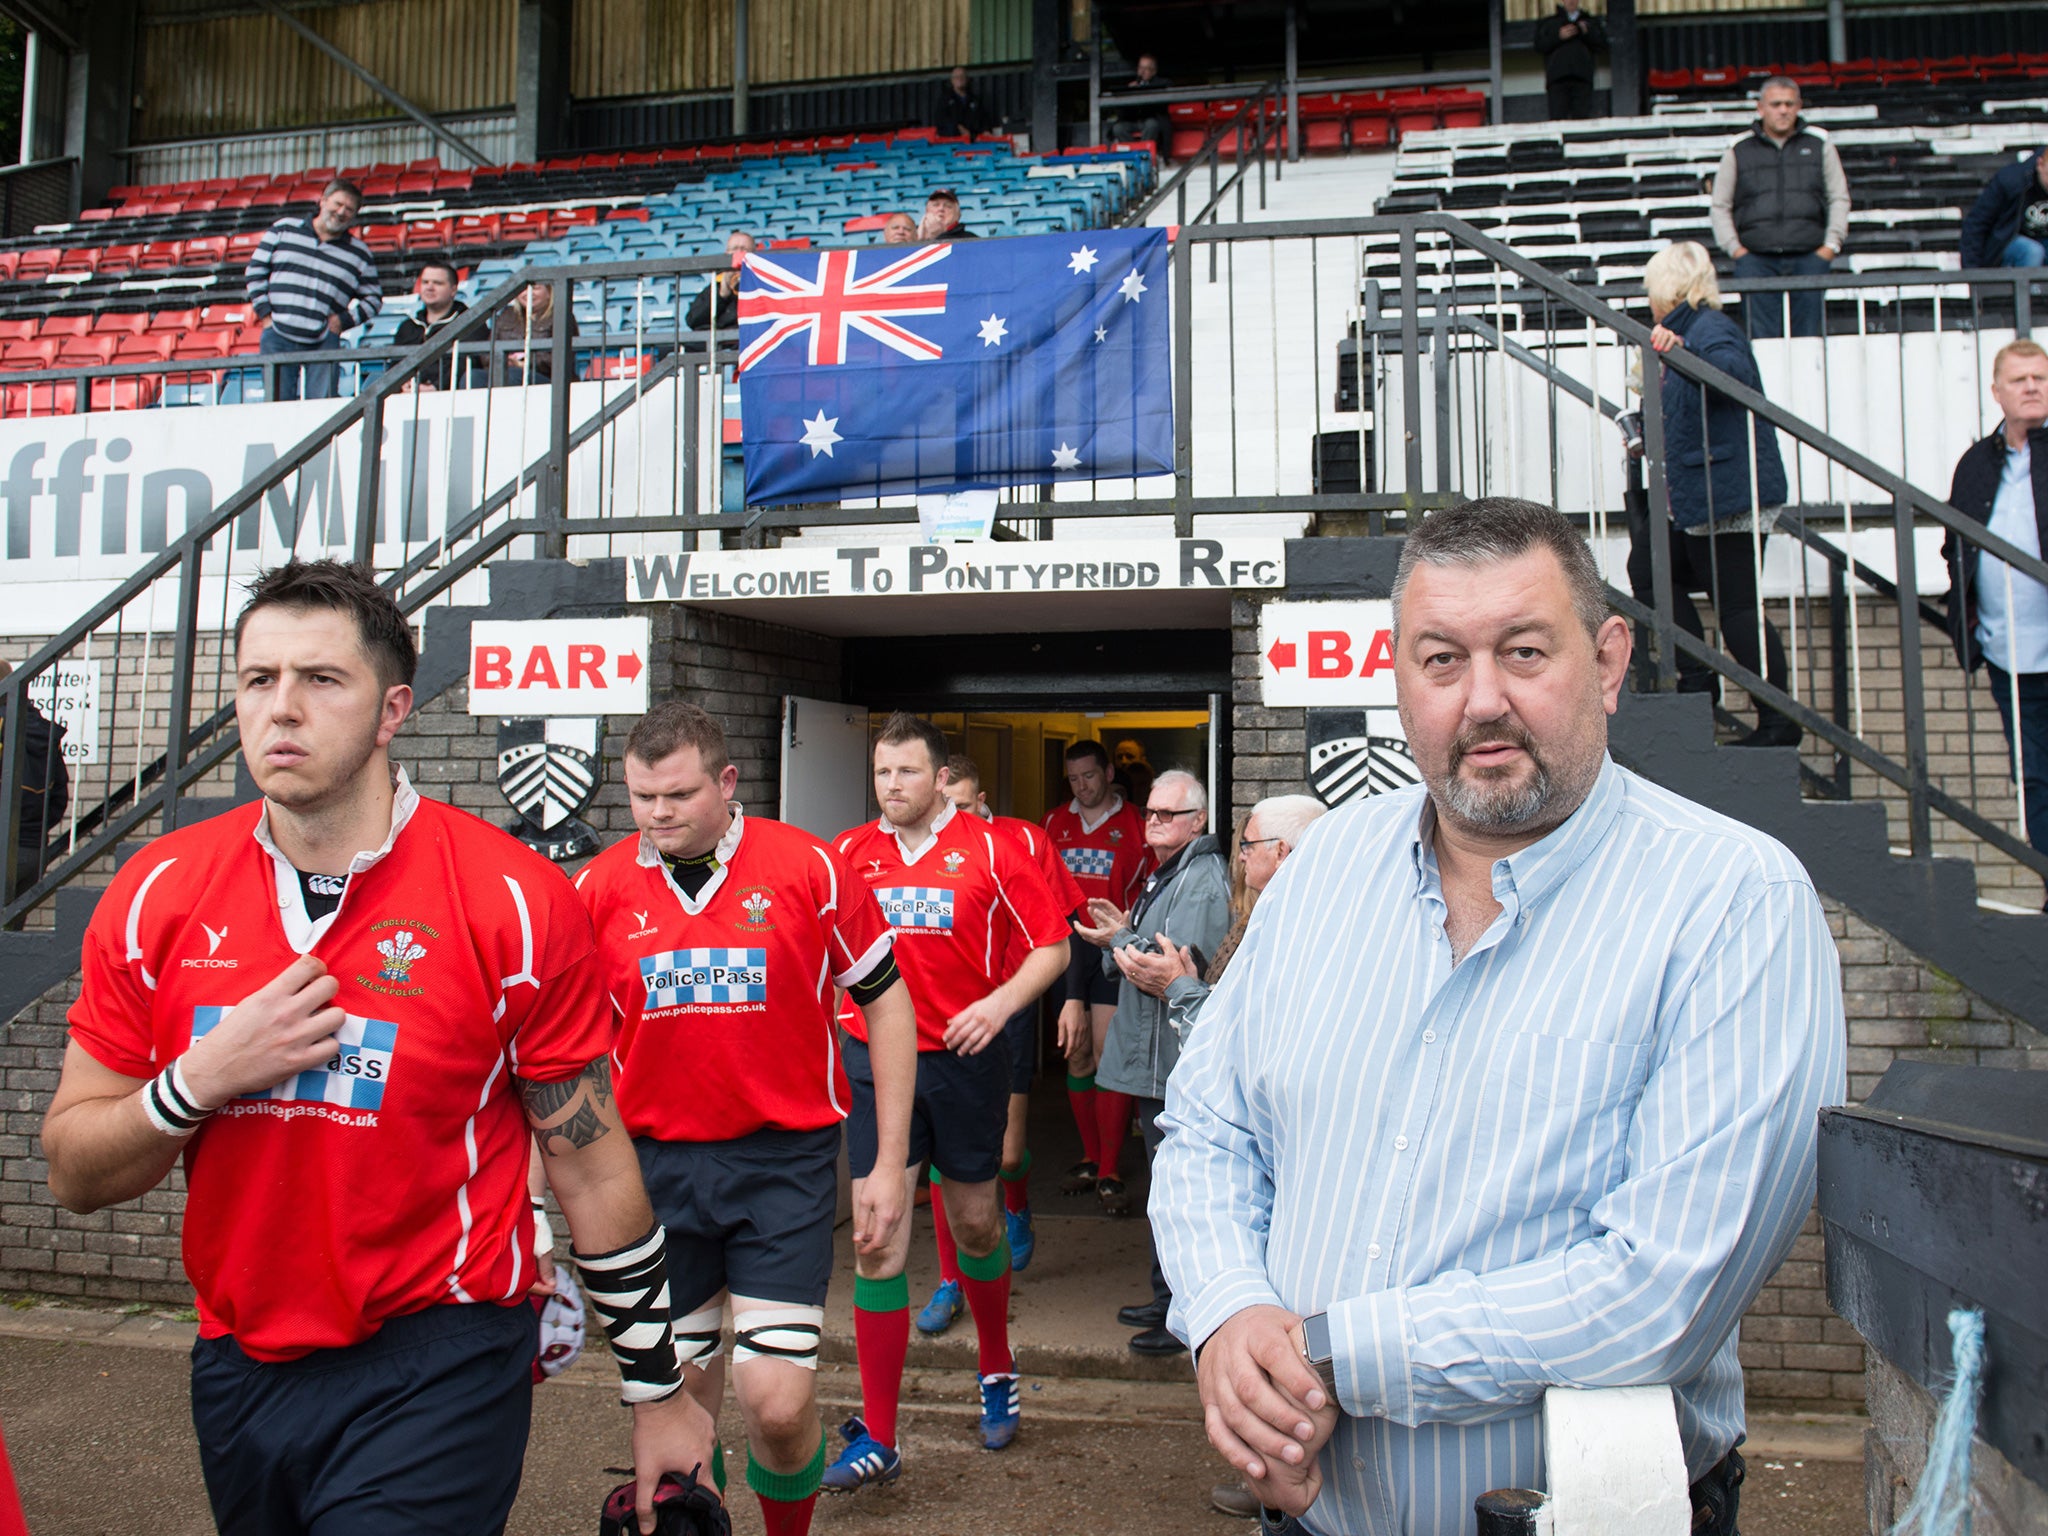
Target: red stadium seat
[[206, 251], [796, 243], [109, 323], [9, 260], [415, 181], [1412, 111], [270, 197], [132, 392], [229, 315], [252, 183], [630, 366], [479, 229], [1322, 123], [37, 263], [638, 215], [79, 259], [202, 343], [241, 247], [137, 349], [62, 326], [173, 320], [454, 181], [36, 352], [1462, 109], [1188, 114], [1670, 79], [44, 398], [1716, 78], [94, 215], [381, 237], [16, 330], [84, 351]]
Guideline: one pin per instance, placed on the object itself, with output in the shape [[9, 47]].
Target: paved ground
[[94, 1409], [95, 1412]]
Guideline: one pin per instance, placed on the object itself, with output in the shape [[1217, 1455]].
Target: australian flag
[[954, 366]]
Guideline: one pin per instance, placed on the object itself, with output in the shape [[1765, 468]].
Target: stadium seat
[[130, 392], [1412, 111], [1322, 123]]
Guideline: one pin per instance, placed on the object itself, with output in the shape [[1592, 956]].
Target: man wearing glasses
[[1185, 904]]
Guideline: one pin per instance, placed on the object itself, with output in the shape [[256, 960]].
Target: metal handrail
[[1209, 154]]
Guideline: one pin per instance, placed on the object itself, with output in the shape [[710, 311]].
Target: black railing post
[[1411, 373], [1912, 686], [1659, 496], [369, 479], [1839, 598], [13, 768], [1183, 385], [184, 652], [555, 490]]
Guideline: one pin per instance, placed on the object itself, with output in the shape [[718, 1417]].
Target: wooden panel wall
[[656, 47], [238, 73]]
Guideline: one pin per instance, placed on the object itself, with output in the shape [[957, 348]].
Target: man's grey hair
[[1286, 816], [1780, 83], [1497, 528], [1194, 796]]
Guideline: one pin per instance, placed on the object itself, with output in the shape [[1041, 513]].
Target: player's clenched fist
[[285, 1027]]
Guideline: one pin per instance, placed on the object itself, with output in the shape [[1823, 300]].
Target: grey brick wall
[[1797, 1355], [737, 669]]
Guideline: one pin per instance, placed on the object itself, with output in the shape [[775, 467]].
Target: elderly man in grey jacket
[[1185, 905]]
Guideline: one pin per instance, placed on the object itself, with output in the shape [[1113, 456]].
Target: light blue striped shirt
[[1571, 1160], [2014, 639]]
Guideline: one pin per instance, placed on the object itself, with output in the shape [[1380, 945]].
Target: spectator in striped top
[[1512, 1084], [310, 280]]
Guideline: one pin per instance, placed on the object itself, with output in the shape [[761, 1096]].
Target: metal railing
[[1448, 393], [156, 645]]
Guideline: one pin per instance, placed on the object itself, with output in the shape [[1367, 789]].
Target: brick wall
[[1797, 1355], [737, 669]]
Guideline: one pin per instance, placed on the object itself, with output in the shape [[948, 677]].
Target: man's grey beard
[[1496, 807]]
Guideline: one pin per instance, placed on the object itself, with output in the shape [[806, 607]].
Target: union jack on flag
[[1026, 361], [837, 301]]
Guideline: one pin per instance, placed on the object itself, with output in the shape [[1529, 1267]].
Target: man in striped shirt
[[309, 281], [1512, 1083]]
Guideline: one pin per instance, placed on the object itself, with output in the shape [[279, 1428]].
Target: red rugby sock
[[1112, 1129]]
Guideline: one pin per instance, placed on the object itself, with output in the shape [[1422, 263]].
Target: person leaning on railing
[[1716, 542], [530, 318], [1996, 616]]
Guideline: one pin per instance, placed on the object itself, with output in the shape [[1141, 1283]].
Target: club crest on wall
[[1353, 753], [548, 771]]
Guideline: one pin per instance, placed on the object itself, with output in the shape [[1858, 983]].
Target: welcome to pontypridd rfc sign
[[891, 570]]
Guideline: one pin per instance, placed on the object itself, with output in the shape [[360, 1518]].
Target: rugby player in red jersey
[[963, 788], [964, 900], [1101, 838], [722, 937], [351, 1011]]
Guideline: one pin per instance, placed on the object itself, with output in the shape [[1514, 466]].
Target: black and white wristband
[[627, 1289], [168, 1101]]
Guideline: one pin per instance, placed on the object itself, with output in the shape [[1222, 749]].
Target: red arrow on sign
[[1281, 655], [629, 666]]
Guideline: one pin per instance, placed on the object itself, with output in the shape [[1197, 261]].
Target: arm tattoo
[[570, 1111]]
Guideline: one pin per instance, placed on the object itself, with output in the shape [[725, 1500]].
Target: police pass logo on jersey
[[354, 1077], [549, 771], [1357, 752], [678, 977], [916, 906]]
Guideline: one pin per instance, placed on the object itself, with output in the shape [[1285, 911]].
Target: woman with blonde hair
[[1718, 518]]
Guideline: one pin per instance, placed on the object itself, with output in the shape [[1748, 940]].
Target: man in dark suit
[[1568, 40]]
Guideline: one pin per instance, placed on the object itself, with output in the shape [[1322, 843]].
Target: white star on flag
[[819, 436], [1064, 457], [1084, 260], [1101, 334], [993, 331], [1131, 287]]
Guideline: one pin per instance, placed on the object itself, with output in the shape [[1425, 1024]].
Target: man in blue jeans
[[2008, 225], [1781, 209], [309, 281], [1997, 616]]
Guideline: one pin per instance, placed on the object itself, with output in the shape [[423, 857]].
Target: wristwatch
[[1315, 1349]]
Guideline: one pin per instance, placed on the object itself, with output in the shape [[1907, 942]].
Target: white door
[[825, 767]]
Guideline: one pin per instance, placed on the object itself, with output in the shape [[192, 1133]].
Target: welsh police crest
[[548, 771], [1357, 752]]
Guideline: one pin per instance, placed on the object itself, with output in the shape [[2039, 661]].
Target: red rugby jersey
[[725, 1001], [393, 1177], [1106, 853], [1066, 894], [966, 910]]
